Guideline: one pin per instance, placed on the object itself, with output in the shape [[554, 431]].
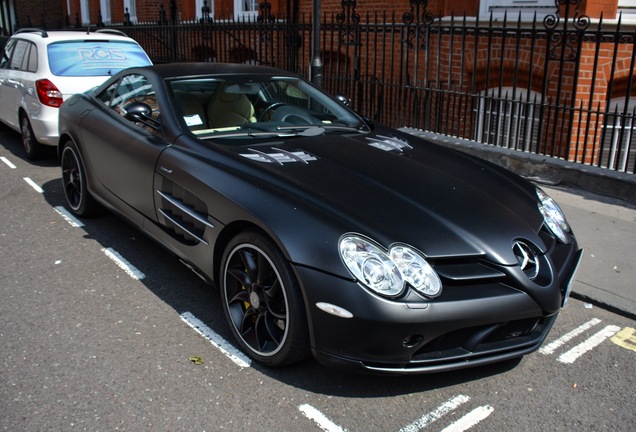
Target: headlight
[[553, 217], [387, 272]]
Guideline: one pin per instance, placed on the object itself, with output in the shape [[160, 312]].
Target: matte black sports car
[[325, 233]]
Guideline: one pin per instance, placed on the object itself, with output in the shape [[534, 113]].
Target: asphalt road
[[93, 336]]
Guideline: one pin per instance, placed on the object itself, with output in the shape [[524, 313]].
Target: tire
[[262, 301], [32, 147], [76, 192]]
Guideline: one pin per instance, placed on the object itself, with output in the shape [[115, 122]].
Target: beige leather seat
[[229, 109], [193, 110]]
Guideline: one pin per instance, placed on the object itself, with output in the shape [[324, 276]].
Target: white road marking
[[323, 422], [441, 410], [123, 264], [553, 346], [7, 162], [34, 185], [68, 217], [589, 344], [470, 419], [217, 340]]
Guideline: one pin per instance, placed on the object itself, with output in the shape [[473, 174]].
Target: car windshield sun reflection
[[225, 107]]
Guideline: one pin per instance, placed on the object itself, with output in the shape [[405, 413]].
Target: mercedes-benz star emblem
[[527, 259]]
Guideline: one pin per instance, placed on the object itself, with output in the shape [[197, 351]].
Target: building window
[[244, 9], [85, 12], [513, 9], [130, 6], [506, 118], [627, 7], [200, 4], [104, 9], [619, 136]]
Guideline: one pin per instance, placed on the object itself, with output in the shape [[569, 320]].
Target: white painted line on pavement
[[123, 264], [34, 185], [323, 422], [441, 410], [553, 346], [68, 217], [470, 419], [588, 345], [7, 162], [217, 340]]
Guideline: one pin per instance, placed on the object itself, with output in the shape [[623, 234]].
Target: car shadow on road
[[184, 291], [11, 141]]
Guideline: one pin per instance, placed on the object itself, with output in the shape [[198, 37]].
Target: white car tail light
[[48, 94]]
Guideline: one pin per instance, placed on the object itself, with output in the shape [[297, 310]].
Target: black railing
[[556, 85]]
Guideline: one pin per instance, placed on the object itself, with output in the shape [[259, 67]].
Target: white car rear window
[[94, 58]]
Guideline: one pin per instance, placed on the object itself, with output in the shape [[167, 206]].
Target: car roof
[[51, 36], [176, 70]]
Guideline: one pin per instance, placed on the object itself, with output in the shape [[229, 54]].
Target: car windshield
[[94, 58], [234, 107]]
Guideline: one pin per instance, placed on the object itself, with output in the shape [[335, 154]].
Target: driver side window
[[134, 88]]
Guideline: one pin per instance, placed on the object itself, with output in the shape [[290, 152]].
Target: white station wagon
[[39, 70]]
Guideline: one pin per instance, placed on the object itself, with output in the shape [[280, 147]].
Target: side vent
[[184, 215]]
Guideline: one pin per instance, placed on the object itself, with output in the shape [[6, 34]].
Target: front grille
[[478, 340]]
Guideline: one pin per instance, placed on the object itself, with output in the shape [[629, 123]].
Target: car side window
[[135, 88], [20, 50], [106, 95], [30, 63], [6, 54]]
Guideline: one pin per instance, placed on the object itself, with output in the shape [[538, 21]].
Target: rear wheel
[[262, 301], [74, 180], [32, 147]]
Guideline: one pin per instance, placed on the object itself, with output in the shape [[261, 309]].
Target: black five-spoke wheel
[[74, 181], [262, 301]]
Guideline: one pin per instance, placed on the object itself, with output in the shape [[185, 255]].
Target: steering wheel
[[269, 108]]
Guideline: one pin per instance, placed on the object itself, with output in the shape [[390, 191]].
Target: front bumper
[[470, 325]]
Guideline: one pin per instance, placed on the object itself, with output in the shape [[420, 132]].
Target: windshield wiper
[[303, 130], [322, 128], [242, 133]]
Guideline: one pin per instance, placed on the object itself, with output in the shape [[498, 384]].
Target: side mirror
[[369, 122], [344, 100], [139, 112]]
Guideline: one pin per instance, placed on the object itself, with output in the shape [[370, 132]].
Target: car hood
[[394, 187]]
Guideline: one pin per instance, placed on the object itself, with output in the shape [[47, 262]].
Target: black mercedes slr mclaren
[[325, 234]]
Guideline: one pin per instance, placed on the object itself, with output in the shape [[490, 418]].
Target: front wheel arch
[[266, 309]]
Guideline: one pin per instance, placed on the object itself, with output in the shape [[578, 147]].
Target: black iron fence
[[558, 85]]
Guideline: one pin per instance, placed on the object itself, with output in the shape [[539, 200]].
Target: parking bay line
[[7, 162], [217, 340], [470, 419], [441, 410], [320, 419], [123, 264], [589, 344], [34, 185], [464, 423], [68, 217], [551, 347]]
